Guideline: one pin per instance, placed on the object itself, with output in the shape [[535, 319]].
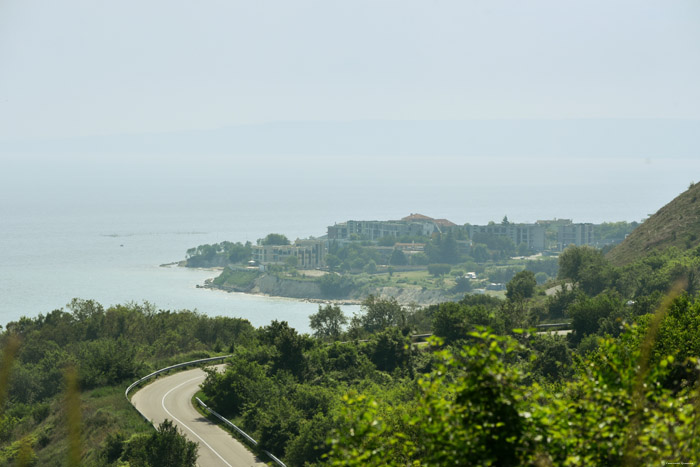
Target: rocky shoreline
[[273, 286]]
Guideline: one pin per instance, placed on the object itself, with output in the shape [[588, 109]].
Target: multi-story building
[[309, 253], [414, 225], [575, 234], [533, 235]]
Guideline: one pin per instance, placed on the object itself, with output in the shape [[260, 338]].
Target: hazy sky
[[78, 67]]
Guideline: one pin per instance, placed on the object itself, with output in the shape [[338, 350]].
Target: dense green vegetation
[[274, 239], [620, 389], [105, 350], [614, 232], [165, 447], [227, 253], [218, 254]]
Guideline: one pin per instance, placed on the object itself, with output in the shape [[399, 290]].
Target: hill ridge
[[675, 224]]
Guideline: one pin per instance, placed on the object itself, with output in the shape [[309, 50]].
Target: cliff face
[[269, 284], [308, 290], [272, 285]]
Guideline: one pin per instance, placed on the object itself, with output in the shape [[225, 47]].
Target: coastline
[[208, 285], [273, 287]]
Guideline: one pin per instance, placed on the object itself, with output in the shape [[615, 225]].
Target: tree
[[678, 336], [275, 239], [357, 263], [289, 347], [453, 321], [443, 249], [502, 274], [379, 314], [471, 411], [462, 284], [521, 287], [587, 314], [335, 286], [332, 261], [239, 253], [243, 381], [587, 267], [114, 446], [502, 246], [292, 261], [390, 349], [328, 322], [398, 258], [541, 277], [164, 448], [439, 269], [554, 357], [170, 448], [480, 253], [524, 250], [371, 267], [308, 447]]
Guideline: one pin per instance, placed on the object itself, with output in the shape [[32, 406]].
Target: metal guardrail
[[421, 336], [173, 367], [245, 435], [227, 422], [552, 325], [412, 336]]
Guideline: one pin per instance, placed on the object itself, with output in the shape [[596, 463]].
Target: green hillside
[[676, 224]]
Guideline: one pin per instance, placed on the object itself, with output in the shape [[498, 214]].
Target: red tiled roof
[[417, 217], [444, 223]]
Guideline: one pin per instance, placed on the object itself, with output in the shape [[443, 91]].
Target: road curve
[[170, 397]]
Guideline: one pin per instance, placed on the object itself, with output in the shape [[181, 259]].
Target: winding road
[[171, 397]]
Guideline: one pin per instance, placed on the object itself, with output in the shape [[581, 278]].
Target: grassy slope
[[104, 411], [237, 279], [676, 224]]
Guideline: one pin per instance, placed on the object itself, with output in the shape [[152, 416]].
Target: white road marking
[[162, 403]]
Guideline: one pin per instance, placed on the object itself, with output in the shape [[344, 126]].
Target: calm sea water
[[99, 228]]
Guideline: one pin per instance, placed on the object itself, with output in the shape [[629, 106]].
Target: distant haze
[[132, 130], [294, 115], [629, 138], [79, 67]]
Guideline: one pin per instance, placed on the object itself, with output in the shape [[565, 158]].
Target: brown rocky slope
[[676, 224]]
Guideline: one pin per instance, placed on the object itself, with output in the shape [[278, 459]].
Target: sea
[[100, 227]]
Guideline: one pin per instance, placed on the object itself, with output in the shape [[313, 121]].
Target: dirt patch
[[312, 273]]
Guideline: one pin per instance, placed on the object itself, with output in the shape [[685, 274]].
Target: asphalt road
[[170, 397]]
